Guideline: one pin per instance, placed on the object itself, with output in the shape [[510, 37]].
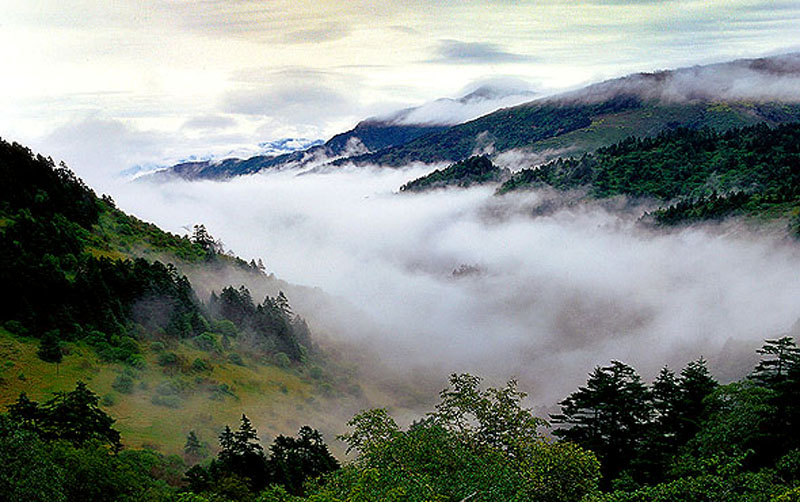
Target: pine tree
[[193, 447], [282, 303], [246, 438], [76, 417], [696, 383], [779, 357], [608, 416]]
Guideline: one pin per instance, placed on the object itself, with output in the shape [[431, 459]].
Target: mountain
[[717, 96], [368, 136], [720, 96]]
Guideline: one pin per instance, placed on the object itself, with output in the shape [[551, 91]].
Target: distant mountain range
[[719, 96]]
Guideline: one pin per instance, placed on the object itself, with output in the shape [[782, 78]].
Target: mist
[[534, 286], [776, 78]]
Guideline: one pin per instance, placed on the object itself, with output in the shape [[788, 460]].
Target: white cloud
[[559, 293]]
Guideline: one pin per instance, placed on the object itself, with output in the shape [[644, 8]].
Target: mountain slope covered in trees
[[697, 174], [472, 171]]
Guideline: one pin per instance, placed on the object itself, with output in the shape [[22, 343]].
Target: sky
[[109, 84]]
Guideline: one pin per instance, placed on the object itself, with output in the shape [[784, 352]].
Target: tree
[[242, 455], [478, 445], [50, 348], [492, 417], [25, 413], [293, 460], [75, 416], [778, 358], [28, 471], [696, 383], [608, 416], [194, 449], [202, 238]]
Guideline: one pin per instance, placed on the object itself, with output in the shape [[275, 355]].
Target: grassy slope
[[278, 400]]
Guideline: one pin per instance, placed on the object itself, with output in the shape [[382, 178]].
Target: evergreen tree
[[25, 413], [608, 416], [778, 358], [696, 383], [193, 448], [293, 460], [50, 348], [76, 417]]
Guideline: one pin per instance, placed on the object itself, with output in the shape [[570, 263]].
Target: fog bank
[[546, 292]]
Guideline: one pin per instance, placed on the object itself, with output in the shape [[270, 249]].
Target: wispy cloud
[[458, 52]]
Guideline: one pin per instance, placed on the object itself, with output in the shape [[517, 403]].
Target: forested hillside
[[472, 171], [68, 261], [697, 174]]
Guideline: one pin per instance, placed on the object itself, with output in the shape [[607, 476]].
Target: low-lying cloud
[[776, 78], [544, 295], [477, 99]]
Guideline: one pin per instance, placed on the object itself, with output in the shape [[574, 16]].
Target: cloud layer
[[543, 298]]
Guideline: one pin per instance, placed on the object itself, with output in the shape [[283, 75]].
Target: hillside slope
[[94, 294], [696, 174]]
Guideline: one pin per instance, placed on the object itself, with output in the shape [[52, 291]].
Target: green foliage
[[167, 359], [28, 473], [477, 445], [208, 342], [268, 326], [708, 175], [475, 170], [282, 360], [66, 450], [123, 383], [242, 469], [50, 348], [608, 416]]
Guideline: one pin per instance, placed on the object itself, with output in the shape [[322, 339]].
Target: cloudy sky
[[107, 84]]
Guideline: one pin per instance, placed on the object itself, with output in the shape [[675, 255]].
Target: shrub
[[315, 372], [123, 383], [201, 365], [208, 342], [236, 359], [167, 359], [282, 360], [166, 401]]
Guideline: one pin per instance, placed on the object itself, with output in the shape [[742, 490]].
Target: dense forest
[[72, 267], [475, 170], [699, 174]]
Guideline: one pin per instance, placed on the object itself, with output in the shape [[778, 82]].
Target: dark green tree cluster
[[475, 170], [706, 174], [66, 449], [270, 325], [687, 438], [242, 468]]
